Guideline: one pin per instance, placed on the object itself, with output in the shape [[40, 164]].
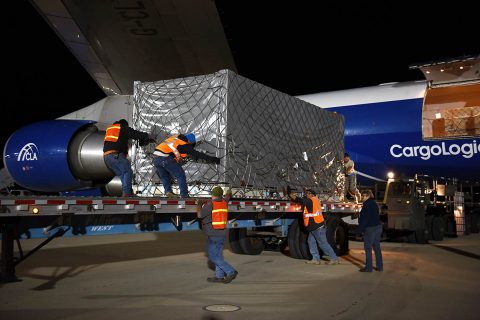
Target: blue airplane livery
[[407, 129]]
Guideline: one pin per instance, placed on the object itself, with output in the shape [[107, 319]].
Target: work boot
[[172, 195], [315, 262], [230, 277], [332, 262], [127, 195], [215, 279]]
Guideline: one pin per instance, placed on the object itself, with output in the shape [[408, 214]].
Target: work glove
[[228, 193], [150, 138], [290, 193]]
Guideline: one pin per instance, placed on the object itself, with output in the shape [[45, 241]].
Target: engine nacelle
[[57, 156]]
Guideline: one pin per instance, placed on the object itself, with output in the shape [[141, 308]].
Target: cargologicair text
[[466, 150]]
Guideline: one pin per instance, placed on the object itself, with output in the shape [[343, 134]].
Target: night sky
[[292, 47]]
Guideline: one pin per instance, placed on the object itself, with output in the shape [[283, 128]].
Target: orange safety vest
[[113, 132], [316, 213], [219, 214], [171, 145]]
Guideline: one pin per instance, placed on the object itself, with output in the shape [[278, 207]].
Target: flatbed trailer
[[253, 224], [228, 114]]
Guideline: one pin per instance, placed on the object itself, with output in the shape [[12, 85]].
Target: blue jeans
[[320, 236], [371, 239], [215, 254], [166, 167], [120, 165]]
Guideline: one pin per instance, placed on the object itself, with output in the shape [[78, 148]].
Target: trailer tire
[[438, 229], [250, 245], [410, 237], [234, 241], [337, 235], [293, 240], [421, 236], [303, 243]]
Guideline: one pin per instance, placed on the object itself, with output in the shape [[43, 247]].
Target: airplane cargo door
[[451, 106], [451, 112]]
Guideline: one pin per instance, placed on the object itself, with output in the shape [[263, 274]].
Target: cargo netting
[[266, 139]]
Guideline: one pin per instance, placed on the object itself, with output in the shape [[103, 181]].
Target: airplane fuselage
[[387, 136]]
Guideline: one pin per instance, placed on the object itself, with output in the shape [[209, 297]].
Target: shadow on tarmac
[[458, 251], [78, 259]]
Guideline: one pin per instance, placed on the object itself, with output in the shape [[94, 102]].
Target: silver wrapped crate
[[266, 139]]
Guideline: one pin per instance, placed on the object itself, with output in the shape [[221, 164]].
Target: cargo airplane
[[427, 127]]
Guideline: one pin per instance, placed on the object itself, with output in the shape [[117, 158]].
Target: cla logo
[[28, 152]]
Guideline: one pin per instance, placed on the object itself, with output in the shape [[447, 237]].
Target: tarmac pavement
[[163, 276]]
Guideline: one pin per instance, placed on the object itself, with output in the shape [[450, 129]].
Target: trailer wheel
[[293, 240], [420, 236], [234, 240], [250, 245], [303, 243], [438, 229], [337, 235]]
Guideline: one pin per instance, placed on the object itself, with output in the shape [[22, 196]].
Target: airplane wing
[[119, 42]]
